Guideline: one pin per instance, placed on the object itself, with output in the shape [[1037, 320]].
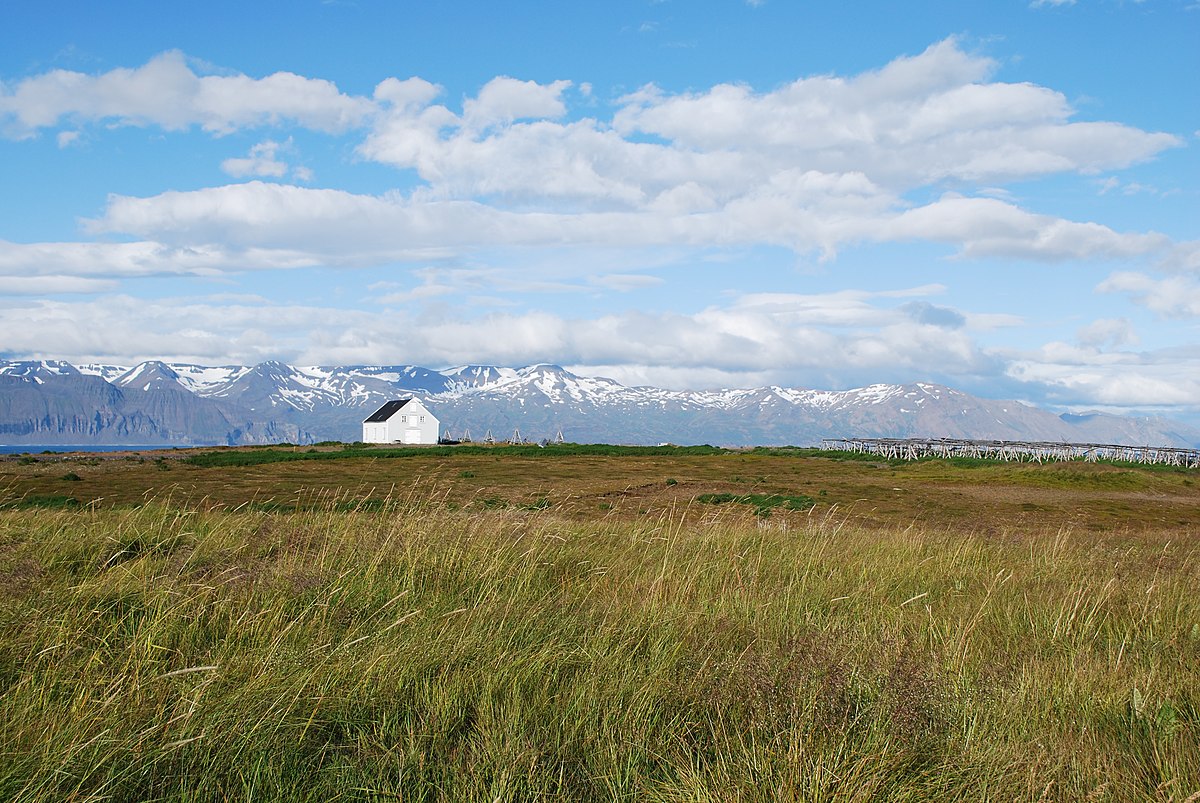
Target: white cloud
[[801, 212], [986, 227], [503, 100], [135, 259], [333, 226], [261, 161], [625, 282], [216, 331], [919, 120], [1170, 297], [264, 160], [166, 92], [53, 285], [392, 293], [777, 335], [1114, 332], [1184, 256], [813, 165], [1075, 375]]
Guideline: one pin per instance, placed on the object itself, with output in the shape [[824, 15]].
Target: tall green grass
[[420, 654]]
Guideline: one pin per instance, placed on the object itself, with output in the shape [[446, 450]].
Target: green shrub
[[762, 503], [43, 501]]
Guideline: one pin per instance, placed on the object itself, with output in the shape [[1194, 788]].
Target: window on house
[[422, 419]]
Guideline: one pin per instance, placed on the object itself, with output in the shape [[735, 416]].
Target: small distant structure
[[516, 437], [1018, 451], [466, 436], [401, 421], [488, 438], [558, 436]]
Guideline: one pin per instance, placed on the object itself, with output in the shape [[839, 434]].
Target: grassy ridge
[[419, 653], [258, 457]]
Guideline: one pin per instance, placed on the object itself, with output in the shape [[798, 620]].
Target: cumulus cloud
[[217, 330], [987, 227], [1083, 375], [919, 120], [167, 92], [816, 164], [137, 259], [933, 117], [503, 100], [261, 161], [1110, 332], [801, 212], [1170, 297], [264, 160], [321, 222], [933, 315], [50, 284]]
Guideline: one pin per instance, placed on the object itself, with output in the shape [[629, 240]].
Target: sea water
[[38, 448]]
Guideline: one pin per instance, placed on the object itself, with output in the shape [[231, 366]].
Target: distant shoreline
[[39, 448]]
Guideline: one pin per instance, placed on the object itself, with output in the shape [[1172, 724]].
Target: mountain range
[[155, 403]]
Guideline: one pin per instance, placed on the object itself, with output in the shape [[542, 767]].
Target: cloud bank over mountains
[[530, 190]]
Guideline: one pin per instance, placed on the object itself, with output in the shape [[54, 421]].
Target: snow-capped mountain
[[47, 402], [153, 375]]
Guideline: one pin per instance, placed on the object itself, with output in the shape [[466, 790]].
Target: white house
[[401, 421]]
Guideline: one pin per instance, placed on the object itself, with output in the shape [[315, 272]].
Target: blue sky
[[1002, 197]]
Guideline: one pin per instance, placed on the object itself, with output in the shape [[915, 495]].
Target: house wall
[[412, 423]]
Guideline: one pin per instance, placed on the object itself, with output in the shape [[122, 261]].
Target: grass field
[[662, 626]]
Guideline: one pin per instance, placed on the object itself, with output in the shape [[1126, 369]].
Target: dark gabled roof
[[386, 411]]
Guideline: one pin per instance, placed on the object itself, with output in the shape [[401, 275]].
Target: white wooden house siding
[[401, 421]]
